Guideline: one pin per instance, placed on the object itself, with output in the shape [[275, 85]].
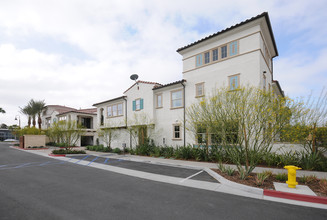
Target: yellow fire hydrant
[[292, 175]]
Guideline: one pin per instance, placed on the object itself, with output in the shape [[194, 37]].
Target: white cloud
[[124, 37]]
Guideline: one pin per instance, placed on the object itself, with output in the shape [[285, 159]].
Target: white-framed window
[[109, 111], [199, 89], [115, 110], [234, 82], [177, 99], [223, 53], [177, 132], [120, 109], [215, 54], [207, 57], [159, 100]]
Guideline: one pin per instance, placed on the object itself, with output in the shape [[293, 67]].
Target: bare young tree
[[244, 121]]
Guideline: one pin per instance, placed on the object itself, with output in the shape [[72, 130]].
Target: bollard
[[291, 175]]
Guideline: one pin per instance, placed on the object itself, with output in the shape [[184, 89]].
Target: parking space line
[[92, 161], [22, 165], [82, 159], [45, 163], [191, 176]]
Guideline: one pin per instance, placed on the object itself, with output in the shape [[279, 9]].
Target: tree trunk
[[39, 121], [314, 139], [29, 121], [246, 149], [34, 122]]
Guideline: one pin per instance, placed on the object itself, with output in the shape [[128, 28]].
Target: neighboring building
[[85, 117], [6, 134], [49, 116], [239, 55]]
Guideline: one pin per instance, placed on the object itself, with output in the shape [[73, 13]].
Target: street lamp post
[[18, 119]]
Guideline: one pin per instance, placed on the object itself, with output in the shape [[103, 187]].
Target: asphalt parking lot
[[189, 173]]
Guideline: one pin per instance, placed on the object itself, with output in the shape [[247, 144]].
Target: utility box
[[31, 141]]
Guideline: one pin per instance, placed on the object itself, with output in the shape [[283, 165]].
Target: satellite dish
[[134, 77]]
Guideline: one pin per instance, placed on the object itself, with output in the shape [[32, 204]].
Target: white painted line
[[191, 176]]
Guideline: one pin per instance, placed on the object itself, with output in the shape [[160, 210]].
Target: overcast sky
[[77, 53]]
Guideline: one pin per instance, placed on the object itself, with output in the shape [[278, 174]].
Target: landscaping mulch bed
[[268, 184]]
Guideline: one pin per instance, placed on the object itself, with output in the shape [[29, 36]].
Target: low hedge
[[64, 151]]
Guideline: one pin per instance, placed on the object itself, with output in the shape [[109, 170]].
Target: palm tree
[[2, 110], [28, 111], [38, 107]]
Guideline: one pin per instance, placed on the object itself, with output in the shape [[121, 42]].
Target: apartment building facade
[[241, 55]]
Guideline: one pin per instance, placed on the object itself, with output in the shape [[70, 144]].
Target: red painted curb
[[57, 155], [294, 196]]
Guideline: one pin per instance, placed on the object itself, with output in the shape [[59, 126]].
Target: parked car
[[10, 140]]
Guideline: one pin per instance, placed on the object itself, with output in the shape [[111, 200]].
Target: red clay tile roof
[[90, 111], [145, 82], [265, 14], [114, 99], [61, 108], [169, 84]]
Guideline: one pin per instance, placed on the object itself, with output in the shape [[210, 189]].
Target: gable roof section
[[90, 111], [145, 82], [110, 100], [61, 108], [169, 84], [265, 15]]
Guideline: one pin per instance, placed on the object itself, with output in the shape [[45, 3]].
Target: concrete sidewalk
[[224, 185]]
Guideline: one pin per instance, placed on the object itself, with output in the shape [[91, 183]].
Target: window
[[199, 89], [214, 54], [177, 132], [115, 110], [206, 57], [137, 104], [233, 48], [223, 51], [120, 109], [159, 101], [234, 82], [62, 118], [109, 109], [177, 99], [199, 60]]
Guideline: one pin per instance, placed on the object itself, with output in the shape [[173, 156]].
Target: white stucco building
[[239, 55], [85, 117]]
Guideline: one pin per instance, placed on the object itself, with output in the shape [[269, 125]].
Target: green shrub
[[307, 179], [117, 150], [261, 177], [167, 152], [323, 185], [281, 177]]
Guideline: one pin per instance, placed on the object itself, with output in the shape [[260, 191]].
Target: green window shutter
[[141, 103], [134, 105]]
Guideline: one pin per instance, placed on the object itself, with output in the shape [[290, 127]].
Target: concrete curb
[[294, 196], [232, 184]]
